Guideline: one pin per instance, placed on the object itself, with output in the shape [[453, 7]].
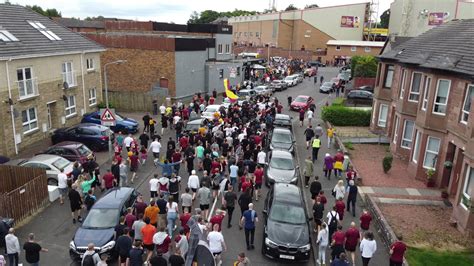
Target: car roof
[[46, 158], [282, 154], [195, 121], [68, 144], [282, 116], [360, 91], [214, 106], [114, 198], [244, 91], [89, 125], [282, 130], [262, 86], [287, 193], [302, 96]]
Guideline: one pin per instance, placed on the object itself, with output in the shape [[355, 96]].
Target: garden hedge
[[343, 116]]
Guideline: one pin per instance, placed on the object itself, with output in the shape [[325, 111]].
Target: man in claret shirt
[[365, 219], [397, 251], [218, 218]]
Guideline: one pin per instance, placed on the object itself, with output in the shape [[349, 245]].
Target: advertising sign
[[350, 21], [435, 18]]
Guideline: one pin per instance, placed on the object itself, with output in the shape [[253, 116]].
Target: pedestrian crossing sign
[[107, 117]]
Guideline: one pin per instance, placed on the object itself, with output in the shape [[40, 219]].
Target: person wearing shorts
[[204, 207], [148, 231]]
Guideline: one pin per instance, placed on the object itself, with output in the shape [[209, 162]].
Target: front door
[[50, 111]]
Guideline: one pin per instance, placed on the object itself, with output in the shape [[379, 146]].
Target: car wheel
[[52, 182], [263, 245]]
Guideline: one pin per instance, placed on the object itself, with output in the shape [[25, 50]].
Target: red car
[[73, 151], [301, 102]]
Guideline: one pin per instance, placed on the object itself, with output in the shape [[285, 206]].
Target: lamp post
[[117, 62]]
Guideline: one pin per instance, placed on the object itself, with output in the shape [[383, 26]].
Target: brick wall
[[346, 51], [263, 51], [359, 81]]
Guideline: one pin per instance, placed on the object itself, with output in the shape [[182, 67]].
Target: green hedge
[[338, 102], [343, 116]]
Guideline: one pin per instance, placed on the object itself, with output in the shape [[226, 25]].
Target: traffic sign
[[107, 117]]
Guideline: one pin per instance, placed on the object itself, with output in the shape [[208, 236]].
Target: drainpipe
[[11, 106], [83, 84]]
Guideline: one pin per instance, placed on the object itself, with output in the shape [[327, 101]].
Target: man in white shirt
[[62, 185], [155, 148], [309, 115], [128, 141], [261, 157], [162, 109], [233, 174], [154, 186], [216, 242], [193, 183], [13, 246]]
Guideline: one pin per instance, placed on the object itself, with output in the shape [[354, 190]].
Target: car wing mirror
[[310, 219], [265, 212]]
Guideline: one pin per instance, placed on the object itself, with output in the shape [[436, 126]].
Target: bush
[[387, 163], [338, 102], [349, 145], [364, 66], [343, 116], [102, 105]]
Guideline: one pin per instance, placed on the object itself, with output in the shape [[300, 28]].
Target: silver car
[[51, 163], [282, 139], [263, 90], [326, 87]]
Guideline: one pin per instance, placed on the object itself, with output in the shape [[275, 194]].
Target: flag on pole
[[228, 92]]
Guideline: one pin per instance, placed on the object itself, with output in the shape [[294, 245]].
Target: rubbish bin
[[155, 107]]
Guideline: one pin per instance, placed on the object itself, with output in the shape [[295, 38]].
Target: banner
[[350, 22], [435, 18], [228, 92]]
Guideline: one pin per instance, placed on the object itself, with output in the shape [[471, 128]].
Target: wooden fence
[[133, 101], [23, 191]]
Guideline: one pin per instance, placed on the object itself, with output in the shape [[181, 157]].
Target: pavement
[[54, 229]]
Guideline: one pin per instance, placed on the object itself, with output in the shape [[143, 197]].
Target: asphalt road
[[54, 229]]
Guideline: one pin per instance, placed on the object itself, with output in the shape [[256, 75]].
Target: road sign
[[233, 72], [107, 117]]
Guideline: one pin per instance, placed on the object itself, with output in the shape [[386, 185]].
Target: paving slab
[[413, 191], [410, 201]]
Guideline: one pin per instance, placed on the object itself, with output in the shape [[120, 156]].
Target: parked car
[[71, 150], [98, 226], [279, 85], [226, 103], [360, 95], [263, 90], [286, 233], [282, 120], [210, 110], [301, 102], [366, 88], [4, 159], [316, 64], [280, 168], [335, 81], [345, 75], [246, 95], [326, 87], [51, 163], [195, 124], [309, 72], [344, 68], [300, 77], [122, 123], [282, 139], [95, 137], [291, 80]]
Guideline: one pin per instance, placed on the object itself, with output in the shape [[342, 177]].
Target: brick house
[[423, 102], [49, 77], [341, 51]]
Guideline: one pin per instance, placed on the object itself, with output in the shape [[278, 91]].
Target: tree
[[50, 12], [364, 66], [291, 7], [385, 19], [311, 6], [95, 18], [207, 16]]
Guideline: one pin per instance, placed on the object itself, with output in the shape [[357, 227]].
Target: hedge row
[[343, 116]]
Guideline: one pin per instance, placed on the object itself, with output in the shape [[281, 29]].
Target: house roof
[[31, 42], [446, 47], [77, 23], [355, 43]]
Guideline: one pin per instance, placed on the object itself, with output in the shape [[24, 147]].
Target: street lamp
[[117, 62]]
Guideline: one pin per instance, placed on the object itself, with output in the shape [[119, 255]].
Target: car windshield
[[284, 213], [211, 109], [289, 78], [83, 150], [300, 99], [119, 117], [281, 137], [101, 218], [282, 163], [61, 163], [327, 84]]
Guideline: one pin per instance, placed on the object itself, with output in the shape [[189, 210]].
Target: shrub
[[339, 102], [364, 66], [343, 116], [387, 163], [102, 105], [349, 145]]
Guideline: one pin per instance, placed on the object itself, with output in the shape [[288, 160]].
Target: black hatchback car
[[99, 226], [94, 136], [286, 229]]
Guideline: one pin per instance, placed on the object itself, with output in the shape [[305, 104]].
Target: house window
[[227, 48], [441, 98], [26, 83], [466, 108], [240, 34], [416, 151], [238, 71], [468, 190], [338, 47], [383, 112], [388, 76], [29, 119], [92, 96], [68, 74], [45, 31], [431, 152], [90, 64], [407, 136], [70, 104], [414, 95], [402, 83], [221, 73], [367, 49], [395, 131], [257, 34], [379, 67], [353, 49], [219, 48], [6, 36], [426, 92]]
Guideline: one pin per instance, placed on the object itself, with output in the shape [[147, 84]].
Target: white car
[[245, 95], [291, 80], [210, 110], [51, 163], [263, 90]]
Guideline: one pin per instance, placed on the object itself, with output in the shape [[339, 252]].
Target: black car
[[366, 88], [281, 168], [360, 95], [99, 226], [282, 120], [286, 229], [95, 137]]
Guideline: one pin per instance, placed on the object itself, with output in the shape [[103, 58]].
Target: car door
[[69, 154]]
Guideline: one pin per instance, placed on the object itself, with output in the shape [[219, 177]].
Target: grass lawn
[[431, 257]]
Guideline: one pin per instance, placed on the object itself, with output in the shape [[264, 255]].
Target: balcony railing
[[28, 88], [70, 78]]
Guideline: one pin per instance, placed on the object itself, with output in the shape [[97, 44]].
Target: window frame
[[90, 64], [65, 73], [367, 49], [408, 147], [387, 68], [70, 110], [219, 48], [463, 111], [411, 92], [402, 83], [92, 99], [395, 129], [24, 82], [386, 116], [436, 96], [227, 48], [30, 121], [432, 152], [426, 91], [338, 48], [416, 146], [353, 48], [463, 193]]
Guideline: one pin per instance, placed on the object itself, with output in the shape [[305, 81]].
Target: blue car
[[95, 137], [122, 123]]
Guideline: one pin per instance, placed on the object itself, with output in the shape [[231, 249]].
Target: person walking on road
[[328, 165], [193, 183], [302, 115], [242, 260], [13, 247], [337, 243], [229, 201], [365, 219], [352, 240], [309, 134], [351, 197], [123, 170], [322, 242], [318, 130], [338, 163], [204, 195], [308, 170], [330, 134], [90, 258], [333, 221], [62, 185], [339, 190], [216, 243], [123, 246], [315, 188], [318, 212], [172, 214], [248, 221], [397, 251], [75, 202], [148, 231], [368, 246], [309, 116], [315, 144]]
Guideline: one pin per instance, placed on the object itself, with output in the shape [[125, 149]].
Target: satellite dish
[[65, 85]]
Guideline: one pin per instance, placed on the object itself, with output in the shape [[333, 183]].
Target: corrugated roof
[[447, 47], [355, 43], [32, 42]]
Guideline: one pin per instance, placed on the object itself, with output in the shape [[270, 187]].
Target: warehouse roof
[[355, 43]]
